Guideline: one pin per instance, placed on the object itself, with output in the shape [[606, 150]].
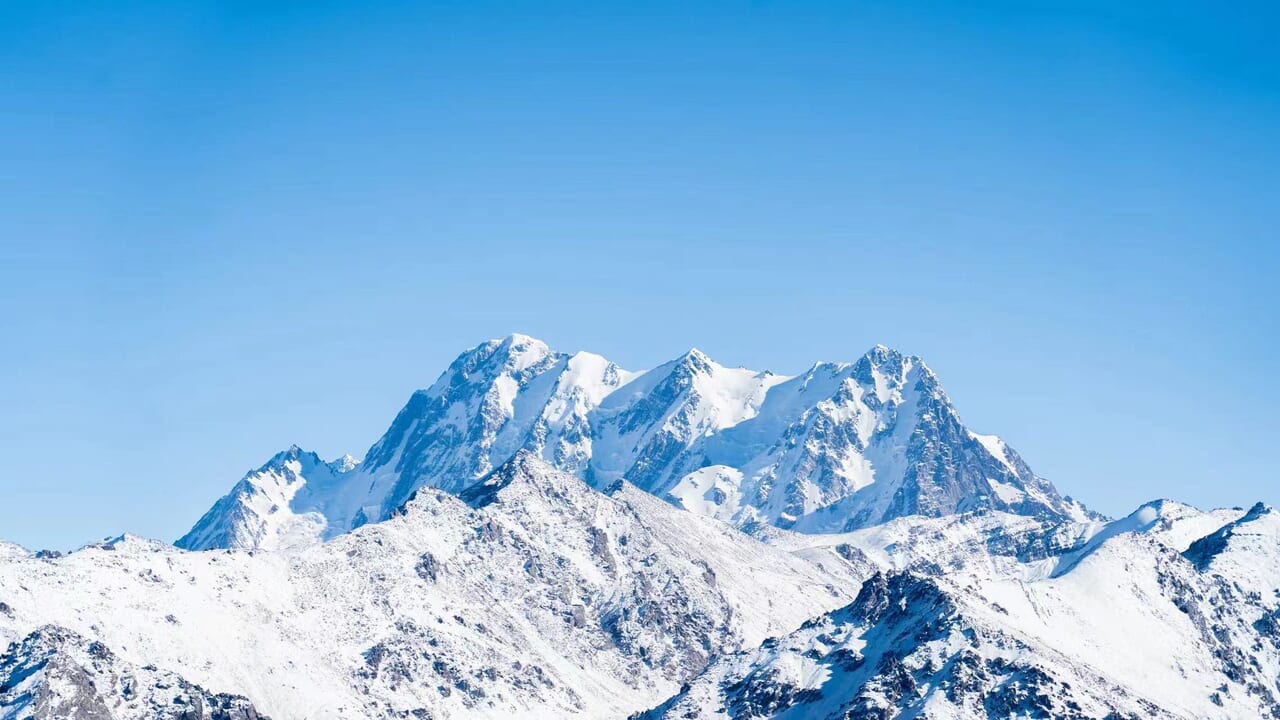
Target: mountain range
[[541, 534], [838, 447]]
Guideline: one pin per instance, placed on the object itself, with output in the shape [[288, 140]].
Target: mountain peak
[[524, 461], [517, 338], [519, 345], [884, 360], [1258, 526], [881, 353], [1258, 510], [695, 353], [344, 464], [293, 453], [696, 360], [525, 467], [514, 353], [883, 356]]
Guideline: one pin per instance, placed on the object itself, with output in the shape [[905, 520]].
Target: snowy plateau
[[548, 535]]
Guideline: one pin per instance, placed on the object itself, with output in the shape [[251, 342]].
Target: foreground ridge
[[541, 598], [1133, 630], [532, 594], [56, 673]]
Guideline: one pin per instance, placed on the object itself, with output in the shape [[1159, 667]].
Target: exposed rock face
[[903, 648], [55, 674], [534, 595], [1243, 549], [1099, 621]]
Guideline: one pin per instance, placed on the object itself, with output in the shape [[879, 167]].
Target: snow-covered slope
[[497, 398], [1246, 550], [845, 446], [906, 647], [1121, 626], [55, 674], [281, 505], [840, 447], [653, 431], [534, 595]]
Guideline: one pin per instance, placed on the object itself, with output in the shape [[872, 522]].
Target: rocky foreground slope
[[532, 595], [1125, 627], [55, 673]]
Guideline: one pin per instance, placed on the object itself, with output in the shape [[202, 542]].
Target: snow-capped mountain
[[839, 447], [547, 535], [282, 504]]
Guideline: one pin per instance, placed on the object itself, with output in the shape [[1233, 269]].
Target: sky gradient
[[231, 227]]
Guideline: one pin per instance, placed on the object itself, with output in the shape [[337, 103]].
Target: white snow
[[820, 452], [294, 631], [996, 447]]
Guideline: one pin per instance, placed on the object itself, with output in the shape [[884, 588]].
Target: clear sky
[[229, 227]]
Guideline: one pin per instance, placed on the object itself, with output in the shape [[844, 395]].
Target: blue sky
[[230, 227]]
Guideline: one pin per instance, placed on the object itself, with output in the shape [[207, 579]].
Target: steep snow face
[[840, 447], [654, 431], [1128, 629], [55, 673], [906, 647], [281, 505], [1173, 524], [458, 429], [1246, 550], [849, 446], [532, 596], [500, 397]]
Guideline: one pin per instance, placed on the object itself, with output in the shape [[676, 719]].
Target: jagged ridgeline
[[55, 673], [541, 535], [839, 447]]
